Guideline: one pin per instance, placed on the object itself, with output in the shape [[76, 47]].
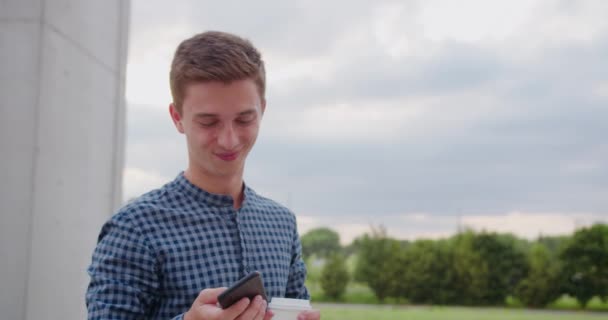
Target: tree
[[377, 263], [471, 272], [541, 286], [585, 264], [427, 273], [554, 244], [488, 267], [334, 276], [322, 242]]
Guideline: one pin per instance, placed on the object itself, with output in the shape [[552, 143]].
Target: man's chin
[[228, 169]]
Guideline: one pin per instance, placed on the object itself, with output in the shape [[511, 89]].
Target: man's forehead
[[203, 114], [208, 86]]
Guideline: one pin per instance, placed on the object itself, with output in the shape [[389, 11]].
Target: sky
[[421, 116]]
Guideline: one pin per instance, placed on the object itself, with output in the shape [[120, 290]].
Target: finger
[[262, 311], [252, 309], [209, 296], [269, 314], [309, 315], [236, 309]]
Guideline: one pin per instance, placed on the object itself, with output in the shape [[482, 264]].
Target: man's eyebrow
[[213, 115], [205, 115], [247, 112]]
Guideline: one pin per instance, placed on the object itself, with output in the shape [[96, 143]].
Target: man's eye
[[245, 120], [208, 124]]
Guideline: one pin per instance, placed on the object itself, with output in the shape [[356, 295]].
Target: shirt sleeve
[[297, 272], [124, 281]]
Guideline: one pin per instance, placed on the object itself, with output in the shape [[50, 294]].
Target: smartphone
[[249, 286]]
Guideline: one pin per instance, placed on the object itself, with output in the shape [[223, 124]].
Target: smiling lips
[[228, 156]]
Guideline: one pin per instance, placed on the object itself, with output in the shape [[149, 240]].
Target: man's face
[[221, 123]]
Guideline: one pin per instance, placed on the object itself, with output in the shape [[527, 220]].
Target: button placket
[[241, 226]]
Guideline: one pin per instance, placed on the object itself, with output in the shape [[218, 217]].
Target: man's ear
[[176, 117], [263, 105]]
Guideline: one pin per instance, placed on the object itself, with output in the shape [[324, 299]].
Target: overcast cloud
[[420, 115]]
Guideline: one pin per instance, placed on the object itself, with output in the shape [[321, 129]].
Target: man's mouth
[[229, 156]]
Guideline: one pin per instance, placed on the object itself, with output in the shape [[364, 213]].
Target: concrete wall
[[62, 122]]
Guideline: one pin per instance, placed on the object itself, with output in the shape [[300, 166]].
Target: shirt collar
[[211, 199]]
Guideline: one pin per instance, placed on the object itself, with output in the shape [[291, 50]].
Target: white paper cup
[[288, 309]]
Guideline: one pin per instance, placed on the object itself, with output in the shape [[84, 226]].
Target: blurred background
[[435, 152], [424, 116]]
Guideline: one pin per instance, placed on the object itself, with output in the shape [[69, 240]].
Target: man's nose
[[227, 138]]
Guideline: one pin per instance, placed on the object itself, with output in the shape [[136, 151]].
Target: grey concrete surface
[[62, 139]]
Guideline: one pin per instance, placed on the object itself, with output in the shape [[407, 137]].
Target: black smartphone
[[249, 286]]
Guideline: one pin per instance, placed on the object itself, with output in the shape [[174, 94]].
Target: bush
[[322, 242], [334, 277], [488, 266], [378, 264], [585, 264], [426, 273], [484, 268], [541, 286]]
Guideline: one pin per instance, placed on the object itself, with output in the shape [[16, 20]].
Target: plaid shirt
[[158, 252]]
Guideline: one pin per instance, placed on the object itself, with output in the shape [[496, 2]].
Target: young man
[[171, 252]]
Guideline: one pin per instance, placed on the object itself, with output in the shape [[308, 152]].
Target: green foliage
[[356, 293], [322, 242], [313, 269], [541, 286], [353, 247], [427, 273], [484, 268], [566, 302], [506, 261], [554, 244], [334, 277], [487, 267], [585, 264], [378, 263], [471, 272]]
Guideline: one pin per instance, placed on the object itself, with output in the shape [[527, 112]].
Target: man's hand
[[309, 315], [205, 308]]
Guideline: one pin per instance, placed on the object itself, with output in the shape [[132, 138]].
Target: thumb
[[209, 296]]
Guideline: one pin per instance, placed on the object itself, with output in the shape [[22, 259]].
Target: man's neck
[[226, 185]]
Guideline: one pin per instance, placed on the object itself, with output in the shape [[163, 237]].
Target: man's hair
[[215, 56]]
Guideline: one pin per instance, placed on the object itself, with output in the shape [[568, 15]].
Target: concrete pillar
[[62, 117]]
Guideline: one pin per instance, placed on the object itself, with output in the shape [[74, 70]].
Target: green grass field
[[361, 294], [377, 312]]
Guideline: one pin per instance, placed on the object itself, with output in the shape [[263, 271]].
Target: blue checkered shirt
[[158, 252]]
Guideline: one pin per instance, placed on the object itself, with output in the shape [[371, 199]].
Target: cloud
[[414, 226], [601, 90], [137, 182], [404, 113], [400, 226], [296, 28], [532, 225], [482, 167]]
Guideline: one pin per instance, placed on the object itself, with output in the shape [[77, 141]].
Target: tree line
[[469, 268]]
